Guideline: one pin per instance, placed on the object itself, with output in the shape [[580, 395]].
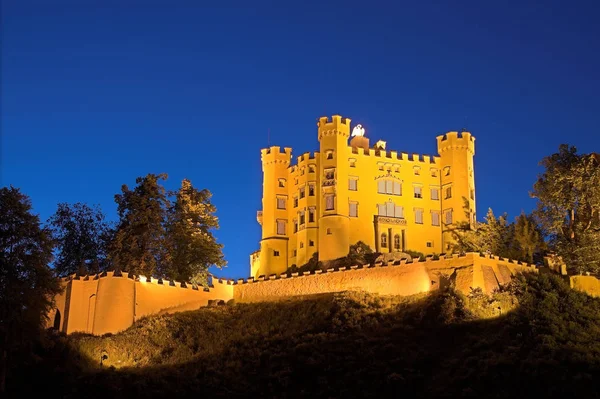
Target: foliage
[[27, 285], [358, 254], [157, 236], [191, 242], [82, 235], [568, 207]]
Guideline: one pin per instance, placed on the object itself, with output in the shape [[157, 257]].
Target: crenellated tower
[[274, 214], [334, 224], [457, 181]]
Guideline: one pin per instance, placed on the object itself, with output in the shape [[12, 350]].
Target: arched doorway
[[56, 325]]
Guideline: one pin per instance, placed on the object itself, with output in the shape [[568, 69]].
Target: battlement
[[456, 141], [337, 125], [275, 155], [143, 279], [395, 155]]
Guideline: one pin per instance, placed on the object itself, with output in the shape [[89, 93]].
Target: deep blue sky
[[96, 93]]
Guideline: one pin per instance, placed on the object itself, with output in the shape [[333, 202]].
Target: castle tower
[[457, 180], [334, 224], [274, 218]]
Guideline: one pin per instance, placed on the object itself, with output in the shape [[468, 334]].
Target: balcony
[[389, 220], [259, 217]]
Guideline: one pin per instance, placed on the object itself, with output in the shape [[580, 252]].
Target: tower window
[[280, 202], [301, 244], [380, 166], [397, 242], [311, 190], [295, 225], [419, 216], [329, 231], [429, 244], [330, 173], [353, 209], [383, 240], [281, 182], [352, 184], [329, 154], [275, 253], [329, 203], [448, 192], [302, 192], [418, 192], [302, 218], [435, 193], [448, 216], [311, 168], [311, 243], [352, 162], [397, 168], [435, 218], [281, 227], [295, 202], [434, 172], [472, 194], [417, 170], [447, 171], [311, 215], [295, 253]]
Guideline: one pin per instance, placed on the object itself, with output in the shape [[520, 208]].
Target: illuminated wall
[[399, 278], [349, 191], [588, 284]]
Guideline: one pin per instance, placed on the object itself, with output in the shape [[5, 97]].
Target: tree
[[568, 207], [193, 248], [528, 240], [27, 284], [81, 234], [139, 244]]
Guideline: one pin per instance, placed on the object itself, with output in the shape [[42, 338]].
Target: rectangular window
[[311, 190], [419, 216], [389, 186], [418, 192], [399, 212], [352, 184], [397, 188], [275, 253], [329, 174], [281, 182], [472, 194], [448, 192], [435, 193], [448, 216], [389, 208], [311, 243], [302, 191], [435, 218], [280, 203], [295, 202], [352, 163], [281, 227], [429, 244], [295, 225], [329, 154], [311, 169], [381, 186], [302, 218], [311, 215], [329, 202], [381, 209], [354, 209], [417, 170], [295, 253]]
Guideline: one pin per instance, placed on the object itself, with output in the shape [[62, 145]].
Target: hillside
[[545, 343]]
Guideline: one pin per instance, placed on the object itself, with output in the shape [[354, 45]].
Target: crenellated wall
[[109, 303]]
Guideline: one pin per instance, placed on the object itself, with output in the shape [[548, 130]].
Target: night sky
[[97, 93]]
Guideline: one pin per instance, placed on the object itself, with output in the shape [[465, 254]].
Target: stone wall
[[588, 284]]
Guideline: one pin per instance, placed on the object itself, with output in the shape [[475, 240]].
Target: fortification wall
[[398, 278], [588, 284]]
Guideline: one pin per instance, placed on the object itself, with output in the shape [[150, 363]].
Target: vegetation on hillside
[[541, 342]]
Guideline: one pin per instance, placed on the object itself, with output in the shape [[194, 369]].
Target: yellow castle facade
[[350, 191]]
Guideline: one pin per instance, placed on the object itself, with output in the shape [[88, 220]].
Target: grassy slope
[[347, 345]]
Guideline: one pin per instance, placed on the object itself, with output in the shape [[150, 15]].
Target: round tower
[[456, 150], [275, 224], [334, 224]]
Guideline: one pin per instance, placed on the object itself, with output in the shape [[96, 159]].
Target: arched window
[[383, 240], [397, 242], [56, 325]]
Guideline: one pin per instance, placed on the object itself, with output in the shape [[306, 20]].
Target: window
[[302, 171], [417, 170], [388, 186], [354, 209], [418, 192], [329, 154], [397, 168], [281, 182], [329, 231], [434, 172], [295, 253], [448, 192], [383, 240], [329, 174], [429, 244], [352, 162], [311, 215], [301, 245], [447, 171], [435, 193], [275, 253], [329, 202], [311, 190], [295, 202], [391, 210], [435, 218], [397, 242], [380, 166], [311, 168], [311, 243], [472, 194], [302, 218], [352, 184], [295, 225], [302, 192], [419, 216], [448, 216], [280, 202], [281, 227]]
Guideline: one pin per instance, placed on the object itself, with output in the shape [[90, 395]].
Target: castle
[[350, 192]]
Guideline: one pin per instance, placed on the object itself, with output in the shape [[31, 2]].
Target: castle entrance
[[390, 234]]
